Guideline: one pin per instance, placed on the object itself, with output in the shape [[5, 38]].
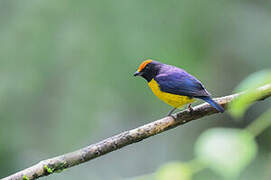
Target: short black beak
[[137, 73]]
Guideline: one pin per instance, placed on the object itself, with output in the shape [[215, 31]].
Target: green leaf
[[49, 170], [25, 177], [254, 80], [260, 124], [238, 107], [174, 170], [226, 151]]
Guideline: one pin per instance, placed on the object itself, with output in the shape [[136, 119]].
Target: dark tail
[[212, 103]]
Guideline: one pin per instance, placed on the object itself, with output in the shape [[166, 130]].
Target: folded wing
[[181, 83]]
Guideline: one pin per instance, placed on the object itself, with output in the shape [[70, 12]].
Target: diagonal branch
[[90, 152]]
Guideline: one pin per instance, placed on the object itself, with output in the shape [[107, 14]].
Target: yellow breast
[[171, 99]]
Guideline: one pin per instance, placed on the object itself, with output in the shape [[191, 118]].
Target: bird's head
[[148, 69]]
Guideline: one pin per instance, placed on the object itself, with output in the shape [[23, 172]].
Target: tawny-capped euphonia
[[174, 85]]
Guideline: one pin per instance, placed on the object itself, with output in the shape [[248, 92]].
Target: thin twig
[[90, 152]]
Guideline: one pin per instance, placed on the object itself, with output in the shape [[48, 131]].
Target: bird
[[174, 86]]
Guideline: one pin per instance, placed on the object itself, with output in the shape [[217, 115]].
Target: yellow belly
[[171, 99]]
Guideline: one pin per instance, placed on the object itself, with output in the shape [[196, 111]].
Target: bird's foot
[[190, 109], [170, 113], [172, 117]]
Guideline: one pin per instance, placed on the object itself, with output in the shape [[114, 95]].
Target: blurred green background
[[66, 78]]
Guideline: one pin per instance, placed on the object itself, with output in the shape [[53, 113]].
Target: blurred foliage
[[262, 123], [226, 151], [254, 80], [250, 84], [176, 171], [66, 77]]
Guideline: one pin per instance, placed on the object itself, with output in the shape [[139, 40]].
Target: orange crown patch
[[144, 64]]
